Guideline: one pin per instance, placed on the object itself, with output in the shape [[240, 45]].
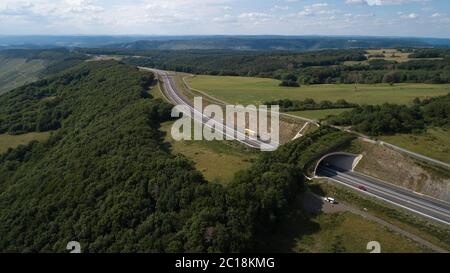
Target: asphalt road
[[429, 207], [174, 95], [434, 209]]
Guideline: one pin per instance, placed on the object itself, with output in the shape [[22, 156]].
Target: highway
[[172, 93], [429, 207]]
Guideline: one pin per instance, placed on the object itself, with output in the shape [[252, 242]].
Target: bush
[[391, 118]]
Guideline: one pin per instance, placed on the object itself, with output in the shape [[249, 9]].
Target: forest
[[310, 67], [106, 178], [271, 42], [388, 119], [287, 105]]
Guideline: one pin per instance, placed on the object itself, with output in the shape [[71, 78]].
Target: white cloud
[[253, 15], [412, 15], [316, 9], [46, 13], [383, 2], [277, 7], [216, 17]]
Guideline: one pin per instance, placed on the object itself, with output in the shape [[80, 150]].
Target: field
[[155, 91], [350, 233], [319, 114], [337, 232], [12, 141], [389, 54], [209, 156], [257, 90], [435, 143], [17, 72], [421, 227]]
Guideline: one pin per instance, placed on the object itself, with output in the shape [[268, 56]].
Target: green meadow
[[12, 141], [319, 114], [17, 72], [248, 90], [434, 143]]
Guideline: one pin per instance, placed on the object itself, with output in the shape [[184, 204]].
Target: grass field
[[155, 91], [319, 114], [389, 54], [339, 232], [350, 233], [217, 161], [435, 143], [247, 90], [422, 227], [12, 141], [17, 72]]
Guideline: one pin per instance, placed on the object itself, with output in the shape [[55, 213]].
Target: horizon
[[224, 35]]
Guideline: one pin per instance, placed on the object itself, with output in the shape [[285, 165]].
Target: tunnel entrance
[[337, 161]]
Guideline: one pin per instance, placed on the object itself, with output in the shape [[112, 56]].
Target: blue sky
[[430, 18]]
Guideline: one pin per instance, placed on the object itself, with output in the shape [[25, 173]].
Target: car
[[362, 188], [330, 200]]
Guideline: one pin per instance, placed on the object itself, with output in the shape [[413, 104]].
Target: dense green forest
[[287, 105], [105, 177], [233, 63], [235, 42], [390, 119], [313, 67], [270, 43], [427, 53]]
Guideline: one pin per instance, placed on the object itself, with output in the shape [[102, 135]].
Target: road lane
[[173, 94], [429, 207], [419, 204]]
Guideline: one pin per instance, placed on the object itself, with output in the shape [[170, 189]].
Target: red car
[[362, 188]]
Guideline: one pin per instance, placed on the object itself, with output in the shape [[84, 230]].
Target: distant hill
[[22, 66], [277, 43], [267, 42], [38, 41], [15, 72]]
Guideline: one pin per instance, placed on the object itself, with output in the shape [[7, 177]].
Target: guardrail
[[416, 155], [391, 146]]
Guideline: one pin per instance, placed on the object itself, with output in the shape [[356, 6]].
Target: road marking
[[196, 115], [391, 202], [399, 196]]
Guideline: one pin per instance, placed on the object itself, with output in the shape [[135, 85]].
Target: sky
[[418, 18]]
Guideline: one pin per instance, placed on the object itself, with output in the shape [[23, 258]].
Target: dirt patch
[[289, 129], [394, 167], [316, 204]]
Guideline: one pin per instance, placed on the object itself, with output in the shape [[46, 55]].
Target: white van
[[330, 200]]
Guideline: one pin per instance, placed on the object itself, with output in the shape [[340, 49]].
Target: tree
[[391, 77], [290, 80]]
